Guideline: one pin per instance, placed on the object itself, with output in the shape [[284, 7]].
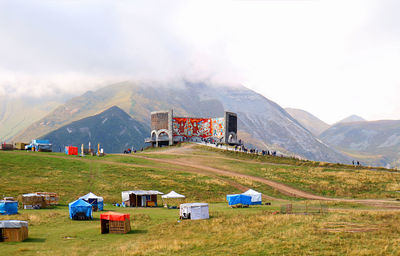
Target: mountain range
[[261, 121], [372, 142]]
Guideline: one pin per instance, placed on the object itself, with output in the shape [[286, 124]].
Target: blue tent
[[8, 207], [80, 210], [238, 199]]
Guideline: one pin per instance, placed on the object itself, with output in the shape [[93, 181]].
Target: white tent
[[255, 196], [94, 200], [172, 194], [91, 195], [194, 211]]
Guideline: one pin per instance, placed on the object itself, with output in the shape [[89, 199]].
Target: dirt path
[[284, 189], [190, 165]]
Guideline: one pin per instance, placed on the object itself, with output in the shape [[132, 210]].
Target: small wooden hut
[[51, 198], [13, 230], [33, 201], [140, 198], [114, 222]]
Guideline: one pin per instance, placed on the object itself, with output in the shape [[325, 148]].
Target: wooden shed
[[114, 222], [33, 201], [13, 230], [140, 198], [51, 198]]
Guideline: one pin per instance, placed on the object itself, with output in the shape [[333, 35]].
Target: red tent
[[115, 216], [114, 222], [69, 150]]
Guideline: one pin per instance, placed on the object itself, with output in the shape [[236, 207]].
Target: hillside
[[262, 119], [205, 174], [374, 142], [114, 129], [16, 114], [309, 121]]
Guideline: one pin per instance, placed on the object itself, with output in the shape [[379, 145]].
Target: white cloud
[[332, 58]]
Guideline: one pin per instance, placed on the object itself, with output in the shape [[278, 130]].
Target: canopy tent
[[194, 211], [114, 222], [238, 199], [8, 207], [80, 210], [140, 198], [13, 230], [255, 196], [172, 199], [95, 201], [172, 194]]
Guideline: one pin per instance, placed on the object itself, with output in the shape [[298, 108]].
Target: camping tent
[[80, 210], [114, 222], [69, 150], [238, 199], [255, 196], [13, 230], [8, 207], [172, 194], [194, 211], [95, 201]]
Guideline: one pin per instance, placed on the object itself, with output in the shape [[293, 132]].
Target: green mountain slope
[[114, 129]]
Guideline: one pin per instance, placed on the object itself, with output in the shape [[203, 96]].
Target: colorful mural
[[197, 127], [218, 127]]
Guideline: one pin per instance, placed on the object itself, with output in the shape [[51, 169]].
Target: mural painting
[[192, 127], [218, 127]]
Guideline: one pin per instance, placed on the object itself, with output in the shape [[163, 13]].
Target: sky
[[330, 58]]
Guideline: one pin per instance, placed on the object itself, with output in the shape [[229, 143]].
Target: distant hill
[[374, 142], [309, 121], [260, 118], [16, 114], [351, 119], [114, 129]]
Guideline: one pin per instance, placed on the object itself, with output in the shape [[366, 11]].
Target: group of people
[[356, 163], [129, 151]]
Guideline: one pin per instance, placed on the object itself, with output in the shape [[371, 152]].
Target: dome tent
[[95, 201], [255, 196], [80, 210]]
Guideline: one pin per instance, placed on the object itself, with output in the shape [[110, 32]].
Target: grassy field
[[252, 231], [345, 229]]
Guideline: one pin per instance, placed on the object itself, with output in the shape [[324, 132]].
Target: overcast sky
[[331, 58]]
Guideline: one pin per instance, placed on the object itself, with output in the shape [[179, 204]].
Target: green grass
[[346, 229], [71, 178], [250, 231]]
